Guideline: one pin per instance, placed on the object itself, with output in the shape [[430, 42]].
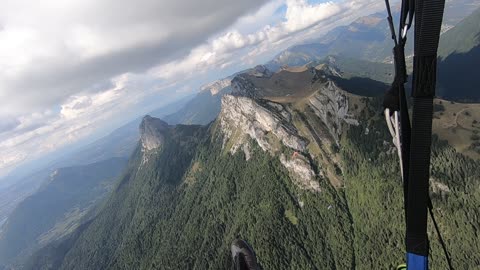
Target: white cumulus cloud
[[70, 69]]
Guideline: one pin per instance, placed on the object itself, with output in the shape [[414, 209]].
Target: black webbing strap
[[428, 21], [395, 98]]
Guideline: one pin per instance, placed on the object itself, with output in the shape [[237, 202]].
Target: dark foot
[[243, 256]]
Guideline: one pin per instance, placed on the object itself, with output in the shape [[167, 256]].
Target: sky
[[76, 69]]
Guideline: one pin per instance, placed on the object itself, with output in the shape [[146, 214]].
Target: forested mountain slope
[[307, 175]]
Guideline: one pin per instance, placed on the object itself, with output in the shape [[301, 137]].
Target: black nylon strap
[[419, 171], [425, 76], [428, 21]]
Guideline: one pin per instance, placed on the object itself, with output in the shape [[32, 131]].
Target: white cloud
[[299, 16], [71, 68], [81, 115], [53, 49]]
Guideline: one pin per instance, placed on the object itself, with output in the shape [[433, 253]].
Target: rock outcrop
[[152, 132], [259, 119], [301, 167], [270, 125], [331, 105], [438, 187]]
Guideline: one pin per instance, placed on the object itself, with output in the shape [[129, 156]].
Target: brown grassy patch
[[457, 123]]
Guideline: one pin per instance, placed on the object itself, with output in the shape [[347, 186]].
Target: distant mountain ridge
[[367, 38], [57, 208]]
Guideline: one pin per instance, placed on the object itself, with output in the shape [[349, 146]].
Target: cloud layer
[[71, 67], [54, 48]]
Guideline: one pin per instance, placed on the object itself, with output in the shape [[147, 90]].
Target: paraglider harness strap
[[414, 142]]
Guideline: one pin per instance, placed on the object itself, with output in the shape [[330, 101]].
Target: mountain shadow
[[458, 76]]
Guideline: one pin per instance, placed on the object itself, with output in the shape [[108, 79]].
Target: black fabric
[[391, 98], [416, 137], [419, 171], [425, 76], [395, 99], [428, 21], [244, 257], [390, 22]]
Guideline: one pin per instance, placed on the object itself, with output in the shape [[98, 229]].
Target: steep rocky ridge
[[332, 106], [270, 125], [285, 129], [257, 118], [152, 133]]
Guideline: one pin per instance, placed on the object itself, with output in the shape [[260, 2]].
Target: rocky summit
[[152, 133]]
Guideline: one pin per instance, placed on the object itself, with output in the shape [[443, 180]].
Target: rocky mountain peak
[[152, 132], [328, 68]]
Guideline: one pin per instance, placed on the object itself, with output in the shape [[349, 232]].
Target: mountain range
[[307, 175], [292, 156]]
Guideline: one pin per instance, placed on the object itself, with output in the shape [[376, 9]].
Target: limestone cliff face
[[246, 114], [152, 132], [331, 105], [301, 167], [259, 120], [270, 125]]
